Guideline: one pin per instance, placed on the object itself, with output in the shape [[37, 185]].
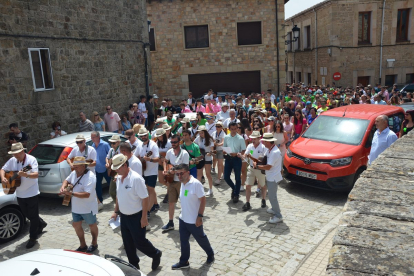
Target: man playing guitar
[[84, 150]]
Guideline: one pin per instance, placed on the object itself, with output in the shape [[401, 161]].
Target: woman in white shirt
[[205, 143], [163, 146], [57, 131]]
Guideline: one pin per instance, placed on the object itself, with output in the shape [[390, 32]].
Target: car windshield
[[46, 154], [337, 129]]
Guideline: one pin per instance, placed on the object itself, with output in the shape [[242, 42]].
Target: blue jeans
[[233, 164], [193, 172], [187, 229], [99, 177], [272, 189]]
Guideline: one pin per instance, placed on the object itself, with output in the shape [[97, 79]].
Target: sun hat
[[159, 132], [166, 127], [268, 137], [219, 123], [115, 138], [271, 118], [201, 128], [255, 134], [79, 138], [16, 148], [118, 160], [142, 131], [79, 160], [159, 120], [225, 105], [185, 120]]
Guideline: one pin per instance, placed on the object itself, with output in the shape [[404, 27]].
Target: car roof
[[60, 262], [363, 111], [69, 139]]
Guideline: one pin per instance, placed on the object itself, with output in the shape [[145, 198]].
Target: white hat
[[225, 105], [142, 131], [201, 128], [16, 148], [268, 137], [166, 126], [80, 137], [159, 132], [79, 160], [255, 134], [118, 160], [115, 138]]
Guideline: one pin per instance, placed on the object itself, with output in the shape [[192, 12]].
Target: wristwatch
[[200, 215], [72, 194]]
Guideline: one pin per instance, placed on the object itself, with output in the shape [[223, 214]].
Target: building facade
[[229, 46], [58, 58], [357, 41]]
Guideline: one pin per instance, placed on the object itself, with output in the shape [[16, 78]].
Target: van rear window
[[337, 129], [46, 154]]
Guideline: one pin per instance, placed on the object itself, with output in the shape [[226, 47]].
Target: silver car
[[11, 218], [51, 156]]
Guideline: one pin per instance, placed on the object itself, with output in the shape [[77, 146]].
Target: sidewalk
[[316, 262]]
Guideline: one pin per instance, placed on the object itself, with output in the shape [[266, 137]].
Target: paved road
[[244, 243]]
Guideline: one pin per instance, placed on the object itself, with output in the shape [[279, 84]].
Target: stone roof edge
[[308, 9]]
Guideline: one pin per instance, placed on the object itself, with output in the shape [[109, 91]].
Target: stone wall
[[375, 234], [96, 58], [337, 32], [171, 63]]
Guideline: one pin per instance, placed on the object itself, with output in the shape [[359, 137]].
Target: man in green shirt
[[192, 149], [170, 121]]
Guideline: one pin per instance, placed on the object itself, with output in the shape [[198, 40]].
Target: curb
[[290, 268]]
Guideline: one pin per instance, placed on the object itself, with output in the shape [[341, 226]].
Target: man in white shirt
[[83, 150], [175, 156], [224, 113], [150, 155], [134, 162], [136, 144], [132, 205], [112, 121], [256, 150], [193, 202], [28, 192], [210, 124], [114, 143], [273, 174], [84, 202], [231, 119], [194, 128], [209, 96], [383, 138], [143, 109]]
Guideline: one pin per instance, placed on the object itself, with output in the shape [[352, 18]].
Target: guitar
[[13, 180], [259, 161], [143, 162], [89, 161], [169, 178], [162, 157], [66, 199], [110, 172]]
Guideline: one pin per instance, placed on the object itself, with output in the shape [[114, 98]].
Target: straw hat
[[220, 123], [159, 132], [166, 127], [268, 137], [142, 131], [16, 148], [136, 128], [201, 128], [79, 160], [115, 138], [118, 160], [159, 120], [255, 134], [80, 138]]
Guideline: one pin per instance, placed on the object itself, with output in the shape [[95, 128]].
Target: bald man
[[383, 138]]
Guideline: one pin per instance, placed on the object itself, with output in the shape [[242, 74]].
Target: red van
[[333, 151]]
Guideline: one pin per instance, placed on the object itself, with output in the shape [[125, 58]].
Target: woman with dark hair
[[281, 135], [286, 110], [407, 124], [125, 123], [185, 124], [242, 114], [299, 124], [205, 142], [247, 128], [313, 113], [257, 127], [57, 130], [257, 121], [163, 146], [201, 120]]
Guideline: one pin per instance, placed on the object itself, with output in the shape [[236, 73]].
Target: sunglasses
[[108, 109], [96, 114], [112, 143], [174, 142], [218, 126], [240, 127], [180, 174], [278, 127], [79, 142], [256, 128]]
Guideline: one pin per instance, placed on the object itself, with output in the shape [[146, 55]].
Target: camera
[[58, 128]]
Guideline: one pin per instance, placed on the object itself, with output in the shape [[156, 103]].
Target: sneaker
[[270, 211], [246, 206], [222, 177], [153, 208], [148, 227], [275, 219], [258, 193], [210, 259], [236, 199], [169, 226], [217, 182], [100, 206], [213, 170], [82, 249], [264, 203], [157, 207], [30, 243], [91, 248], [42, 226], [149, 214], [180, 266], [242, 189], [156, 261], [209, 193], [165, 200]]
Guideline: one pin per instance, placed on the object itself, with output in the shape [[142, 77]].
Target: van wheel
[[11, 224], [358, 173]]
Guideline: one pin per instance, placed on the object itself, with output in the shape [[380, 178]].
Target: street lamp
[[295, 32]]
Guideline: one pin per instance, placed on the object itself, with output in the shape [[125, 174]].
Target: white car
[[66, 263]]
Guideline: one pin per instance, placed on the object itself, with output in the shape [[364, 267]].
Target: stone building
[[364, 41], [229, 46], [58, 58]]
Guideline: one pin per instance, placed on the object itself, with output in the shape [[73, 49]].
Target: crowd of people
[[244, 135]]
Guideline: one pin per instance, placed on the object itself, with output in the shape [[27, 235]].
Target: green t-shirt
[[193, 151], [202, 122], [170, 123], [287, 99]]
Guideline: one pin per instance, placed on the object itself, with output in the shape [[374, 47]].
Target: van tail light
[[64, 155], [33, 148]]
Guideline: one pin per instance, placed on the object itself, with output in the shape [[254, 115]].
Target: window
[[196, 36], [364, 28], [309, 79], [297, 43], [249, 33], [152, 39], [289, 38], [390, 80], [409, 78], [402, 25], [307, 38], [298, 77], [41, 69]]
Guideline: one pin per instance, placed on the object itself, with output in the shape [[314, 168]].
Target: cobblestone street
[[244, 242]]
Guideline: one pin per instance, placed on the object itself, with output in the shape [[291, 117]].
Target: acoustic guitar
[[162, 157], [169, 178], [110, 172], [66, 199], [143, 162], [259, 161], [13, 180]]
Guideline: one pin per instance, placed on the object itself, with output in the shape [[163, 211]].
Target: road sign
[[337, 76]]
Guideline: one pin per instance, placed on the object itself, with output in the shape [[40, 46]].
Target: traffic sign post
[[337, 76]]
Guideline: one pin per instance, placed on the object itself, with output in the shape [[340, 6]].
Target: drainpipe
[[146, 69], [316, 47], [277, 49], [382, 37], [293, 50]]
